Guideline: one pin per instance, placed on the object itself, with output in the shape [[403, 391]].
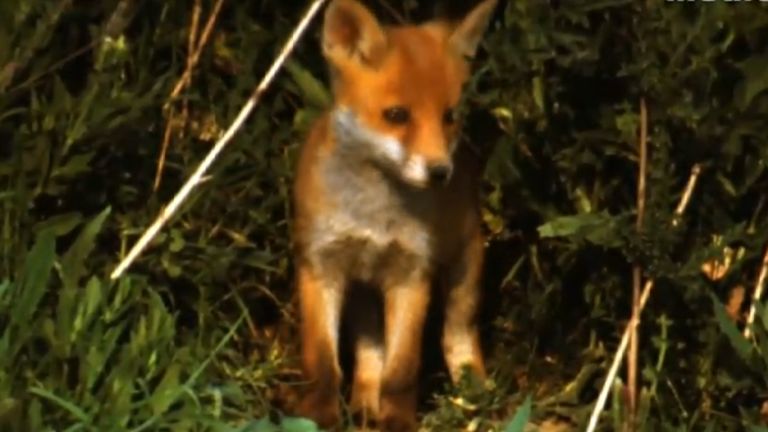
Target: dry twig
[[195, 48], [759, 287], [637, 272], [695, 171], [392, 10], [21, 59], [182, 194]]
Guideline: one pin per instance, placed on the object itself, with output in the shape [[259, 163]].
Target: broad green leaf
[[73, 409], [34, 284], [5, 289], [755, 70], [313, 91], [66, 310], [73, 261], [518, 422], [167, 390], [61, 224], [87, 307], [738, 341], [264, 425], [75, 165], [296, 424], [597, 228]]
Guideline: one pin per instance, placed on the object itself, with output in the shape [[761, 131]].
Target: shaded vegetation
[[200, 334]]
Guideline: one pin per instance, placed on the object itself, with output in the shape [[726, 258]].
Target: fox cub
[[385, 201]]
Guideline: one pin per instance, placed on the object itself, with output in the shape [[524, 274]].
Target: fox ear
[[352, 32], [464, 36]]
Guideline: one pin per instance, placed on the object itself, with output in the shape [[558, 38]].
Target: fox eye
[[449, 116], [397, 115]]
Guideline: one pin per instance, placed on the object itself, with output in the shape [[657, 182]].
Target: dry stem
[[637, 271], [391, 10], [759, 286], [695, 171], [194, 49], [182, 194]]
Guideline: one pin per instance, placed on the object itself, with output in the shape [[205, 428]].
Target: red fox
[[385, 200]]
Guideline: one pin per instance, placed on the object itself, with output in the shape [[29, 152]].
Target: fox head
[[396, 89]]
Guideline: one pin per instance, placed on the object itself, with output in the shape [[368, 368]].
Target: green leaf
[[288, 424], [598, 228], [312, 90], [167, 390], [518, 422], [755, 70], [73, 409], [60, 224], [77, 164], [738, 341], [34, 283], [297, 424], [73, 261], [87, 307]]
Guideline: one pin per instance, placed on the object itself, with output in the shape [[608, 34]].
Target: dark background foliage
[[201, 332]]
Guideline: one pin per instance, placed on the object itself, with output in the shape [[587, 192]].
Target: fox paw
[[323, 411]]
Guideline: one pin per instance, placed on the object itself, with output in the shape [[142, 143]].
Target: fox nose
[[439, 173]]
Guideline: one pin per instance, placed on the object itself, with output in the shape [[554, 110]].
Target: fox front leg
[[368, 336], [461, 336], [405, 312], [321, 300]]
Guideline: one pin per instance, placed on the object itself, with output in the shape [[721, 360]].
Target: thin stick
[[600, 404], [759, 287], [632, 356], [182, 194], [194, 49]]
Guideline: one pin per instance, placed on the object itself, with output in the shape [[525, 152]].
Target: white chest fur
[[375, 228]]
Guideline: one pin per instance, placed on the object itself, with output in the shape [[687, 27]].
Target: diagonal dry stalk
[[194, 180], [194, 49], [759, 287], [22, 58], [391, 10], [637, 272], [682, 205]]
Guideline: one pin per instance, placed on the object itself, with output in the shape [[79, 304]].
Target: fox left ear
[[465, 36], [352, 32]]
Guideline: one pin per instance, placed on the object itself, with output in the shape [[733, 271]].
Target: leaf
[[304, 118], [297, 424], [34, 284], [287, 424], [77, 164], [73, 261], [738, 341], [167, 391], [313, 91], [177, 241], [60, 224], [5, 289], [518, 422], [87, 307], [73, 409], [261, 425], [755, 70], [598, 228]]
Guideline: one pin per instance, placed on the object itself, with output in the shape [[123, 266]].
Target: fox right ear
[[352, 32]]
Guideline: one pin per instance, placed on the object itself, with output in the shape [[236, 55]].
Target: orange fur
[[385, 197]]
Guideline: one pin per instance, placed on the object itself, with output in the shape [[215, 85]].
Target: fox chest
[[370, 237]]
